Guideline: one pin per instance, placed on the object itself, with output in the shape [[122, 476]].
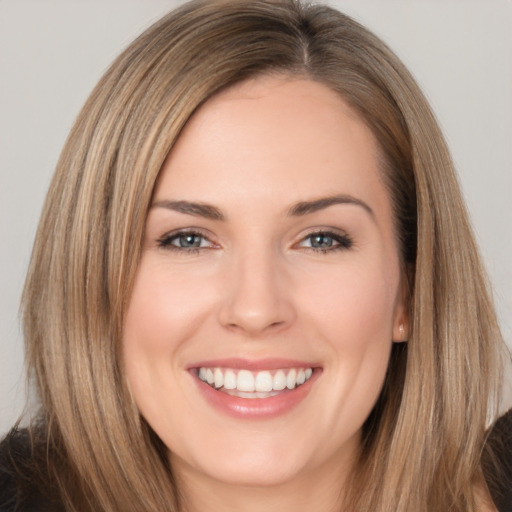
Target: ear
[[401, 313], [401, 332]]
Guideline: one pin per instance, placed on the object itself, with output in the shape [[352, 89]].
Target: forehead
[[289, 139]]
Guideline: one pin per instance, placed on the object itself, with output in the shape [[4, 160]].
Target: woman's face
[[269, 260]]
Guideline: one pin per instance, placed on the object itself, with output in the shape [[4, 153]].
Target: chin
[[251, 473], [245, 462]]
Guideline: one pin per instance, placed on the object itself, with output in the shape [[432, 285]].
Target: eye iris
[[189, 240], [321, 241]]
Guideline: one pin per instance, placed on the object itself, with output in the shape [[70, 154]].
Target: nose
[[257, 298]]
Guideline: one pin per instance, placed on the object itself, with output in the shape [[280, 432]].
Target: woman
[[254, 284]]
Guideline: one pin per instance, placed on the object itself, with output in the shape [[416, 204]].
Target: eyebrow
[[190, 208], [306, 207], [299, 209]]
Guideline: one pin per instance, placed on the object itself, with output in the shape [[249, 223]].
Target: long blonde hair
[[422, 443]]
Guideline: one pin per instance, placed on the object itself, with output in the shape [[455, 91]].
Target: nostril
[[254, 318]]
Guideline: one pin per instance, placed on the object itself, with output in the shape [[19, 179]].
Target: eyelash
[[343, 242]]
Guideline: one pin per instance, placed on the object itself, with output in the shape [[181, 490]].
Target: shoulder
[[24, 479], [497, 462]]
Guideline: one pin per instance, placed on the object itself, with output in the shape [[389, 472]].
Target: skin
[[256, 288]]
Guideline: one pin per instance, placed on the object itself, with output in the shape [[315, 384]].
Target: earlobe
[[401, 324], [401, 315], [401, 333]]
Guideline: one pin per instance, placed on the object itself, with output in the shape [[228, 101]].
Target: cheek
[[358, 321], [165, 307], [354, 304], [354, 319], [164, 311]]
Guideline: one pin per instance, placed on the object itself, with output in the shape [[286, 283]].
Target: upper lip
[[237, 363]]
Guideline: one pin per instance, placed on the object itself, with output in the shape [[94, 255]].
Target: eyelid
[[328, 230]]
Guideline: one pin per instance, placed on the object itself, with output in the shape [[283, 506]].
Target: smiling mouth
[[248, 389], [249, 384]]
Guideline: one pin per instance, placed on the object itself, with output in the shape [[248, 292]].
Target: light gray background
[[52, 52]]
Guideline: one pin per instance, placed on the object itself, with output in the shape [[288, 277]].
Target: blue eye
[[321, 241], [325, 241], [187, 241]]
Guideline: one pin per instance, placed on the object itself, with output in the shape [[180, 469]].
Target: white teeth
[[291, 379], [263, 381], [279, 382], [229, 380], [245, 381], [256, 384], [218, 378]]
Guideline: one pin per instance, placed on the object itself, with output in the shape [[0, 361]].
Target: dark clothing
[[24, 490], [497, 463]]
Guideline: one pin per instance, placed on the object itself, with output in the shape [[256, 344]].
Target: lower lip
[[256, 408]]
